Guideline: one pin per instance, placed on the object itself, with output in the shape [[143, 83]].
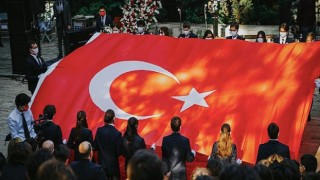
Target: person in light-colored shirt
[[15, 119]]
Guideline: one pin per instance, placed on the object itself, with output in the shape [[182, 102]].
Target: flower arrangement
[[135, 10]]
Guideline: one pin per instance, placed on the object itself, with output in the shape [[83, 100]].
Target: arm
[[13, 126], [71, 144], [214, 151], [233, 156], [259, 154], [190, 156], [119, 144], [59, 135], [95, 142]]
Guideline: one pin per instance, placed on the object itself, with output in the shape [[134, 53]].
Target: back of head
[[22, 99], [175, 124], [204, 177], [273, 131], [263, 171], [144, 165], [109, 116], [61, 153], [311, 176], [49, 145], [310, 162], [85, 150], [200, 172], [214, 166], [225, 141], [21, 152], [82, 119], [286, 170], [53, 169], [235, 25], [49, 111], [236, 172], [35, 160], [132, 127]]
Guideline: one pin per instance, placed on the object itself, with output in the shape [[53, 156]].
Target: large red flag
[[206, 83]]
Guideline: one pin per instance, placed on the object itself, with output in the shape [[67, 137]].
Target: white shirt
[[283, 40], [37, 59], [16, 125]]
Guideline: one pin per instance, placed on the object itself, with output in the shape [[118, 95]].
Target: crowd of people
[[36, 151]]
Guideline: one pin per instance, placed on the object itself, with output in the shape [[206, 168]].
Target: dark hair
[[165, 30], [86, 154], [131, 130], [141, 23], [263, 171], [102, 7], [145, 165], [311, 176], [285, 26], [263, 34], [175, 123], [30, 43], [22, 99], [208, 32], [35, 160], [81, 123], [186, 24], [286, 170], [49, 111], [236, 172], [312, 35], [61, 153], [204, 177], [20, 153], [234, 24], [214, 166], [53, 169], [310, 162], [109, 116], [273, 131], [226, 127]]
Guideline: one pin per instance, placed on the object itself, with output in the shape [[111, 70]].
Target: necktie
[[25, 127], [39, 61], [102, 20]]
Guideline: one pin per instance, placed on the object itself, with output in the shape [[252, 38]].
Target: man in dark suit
[[234, 29], [283, 35], [103, 19], [63, 21], [273, 146], [35, 66], [176, 151], [108, 143], [187, 33], [85, 169]]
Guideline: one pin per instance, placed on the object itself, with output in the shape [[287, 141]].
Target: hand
[[64, 141], [193, 152], [238, 161], [153, 146]]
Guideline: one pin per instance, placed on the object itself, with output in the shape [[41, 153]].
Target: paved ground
[[10, 86]]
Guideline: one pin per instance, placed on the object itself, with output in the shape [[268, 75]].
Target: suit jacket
[[33, 70], [238, 37], [191, 35], [129, 148], [99, 24], [288, 40], [272, 147], [73, 141], [224, 160], [85, 169], [176, 151], [108, 143], [52, 132], [63, 19]]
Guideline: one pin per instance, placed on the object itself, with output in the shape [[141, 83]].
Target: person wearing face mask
[[141, 28], [103, 19], [208, 35], [187, 33], [35, 66], [115, 30], [283, 35], [21, 118], [164, 31], [261, 37], [234, 29]]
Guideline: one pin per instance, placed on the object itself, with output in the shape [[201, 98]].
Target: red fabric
[[251, 85]]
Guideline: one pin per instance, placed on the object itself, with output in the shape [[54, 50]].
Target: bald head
[[48, 144], [85, 150]]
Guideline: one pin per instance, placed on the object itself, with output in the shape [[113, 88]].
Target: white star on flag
[[194, 97]]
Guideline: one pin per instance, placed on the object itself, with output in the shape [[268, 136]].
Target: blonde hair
[[271, 159], [200, 172], [225, 142]]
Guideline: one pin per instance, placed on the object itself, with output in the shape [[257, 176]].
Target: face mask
[[140, 29], [24, 108], [233, 33], [260, 40], [115, 32], [186, 33], [161, 34], [35, 51], [283, 34], [102, 13], [208, 38]]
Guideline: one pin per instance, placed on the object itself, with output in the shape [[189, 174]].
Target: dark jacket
[[73, 141], [130, 147], [63, 19], [272, 147], [51, 131], [238, 37], [33, 70], [99, 24], [176, 151], [85, 170], [191, 35], [288, 40], [108, 143], [224, 160]]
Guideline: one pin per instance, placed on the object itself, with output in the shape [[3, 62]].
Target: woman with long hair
[[224, 149], [131, 140], [79, 134]]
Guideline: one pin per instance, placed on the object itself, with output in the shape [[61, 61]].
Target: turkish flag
[[206, 83]]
